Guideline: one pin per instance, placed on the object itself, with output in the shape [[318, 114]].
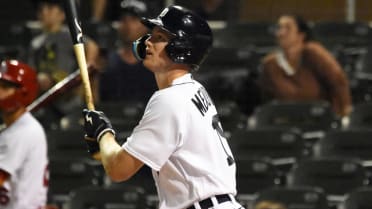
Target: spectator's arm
[[332, 75], [98, 9], [92, 52], [93, 57]]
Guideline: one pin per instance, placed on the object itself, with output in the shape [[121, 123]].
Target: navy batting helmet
[[192, 36]]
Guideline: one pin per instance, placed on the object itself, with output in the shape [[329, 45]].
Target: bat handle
[[80, 54]]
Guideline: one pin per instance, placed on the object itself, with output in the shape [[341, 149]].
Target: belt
[[207, 203]]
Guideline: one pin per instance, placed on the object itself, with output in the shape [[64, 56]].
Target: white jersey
[[23, 154], [179, 138]]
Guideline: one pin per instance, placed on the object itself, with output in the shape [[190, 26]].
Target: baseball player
[[179, 136], [23, 147]]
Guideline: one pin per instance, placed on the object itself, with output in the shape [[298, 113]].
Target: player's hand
[[96, 124]]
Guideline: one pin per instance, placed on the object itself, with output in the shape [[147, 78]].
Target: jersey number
[[216, 124], [4, 197]]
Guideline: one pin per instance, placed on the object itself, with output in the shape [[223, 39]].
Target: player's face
[[156, 58], [287, 33], [6, 89]]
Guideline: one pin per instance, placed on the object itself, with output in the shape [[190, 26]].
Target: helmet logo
[[163, 13]]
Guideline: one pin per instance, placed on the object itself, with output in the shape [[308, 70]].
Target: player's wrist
[[104, 132]]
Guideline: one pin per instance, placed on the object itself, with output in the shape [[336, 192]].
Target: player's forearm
[[109, 149], [119, 165]]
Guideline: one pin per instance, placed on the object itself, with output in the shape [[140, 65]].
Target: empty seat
[[349, 143], [67, 143], [255, 174], [359, 198], [143, 178], [306, 116], [294, 197], [271, 143], [124, 116], [342, 33], [361, 116], [107, 198], [230, 116], [69, 173], [244, 34], [336, 176]]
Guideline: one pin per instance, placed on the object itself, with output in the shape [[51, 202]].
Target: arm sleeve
[[157, 135], [12, 154], [332, 76]]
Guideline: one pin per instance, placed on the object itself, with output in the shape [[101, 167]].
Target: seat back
[[307, 116], [105, 198], [294, 197], [67, 143], [348, 143], [272, 143], [361, 116], [336, 176], [360, 198], [254, 175]]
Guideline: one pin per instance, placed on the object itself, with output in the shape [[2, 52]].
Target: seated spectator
[[52, 55], [125, 78], [303, 70], [269, 205], [208, 8]]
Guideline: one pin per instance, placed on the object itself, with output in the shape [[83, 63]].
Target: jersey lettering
[[216, 124], [202, 101], [4, 197]]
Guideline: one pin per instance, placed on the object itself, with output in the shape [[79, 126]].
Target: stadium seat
[[68, 173], [14, 43], [336, 176], [342, 33], [347, 143], [361, 116], [268, 143], [306, 116], [124, 116], [107, 198], [359, 198], [143, 178], [294, 197], [67, 143], [255, 174], [230, 116], [243, 34]]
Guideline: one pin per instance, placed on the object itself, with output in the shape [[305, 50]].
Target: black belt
[[207, 203]]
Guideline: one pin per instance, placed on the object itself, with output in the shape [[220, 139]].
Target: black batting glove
[[95, 125]]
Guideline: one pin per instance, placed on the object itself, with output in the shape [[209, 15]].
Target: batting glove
[[96, 124]]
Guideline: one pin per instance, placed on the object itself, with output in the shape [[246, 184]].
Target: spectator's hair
[[302, 26]]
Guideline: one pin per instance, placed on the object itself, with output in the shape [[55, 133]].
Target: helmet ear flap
[[179, 50], [139, 47]]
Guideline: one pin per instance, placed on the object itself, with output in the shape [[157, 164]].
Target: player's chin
[[147, 62]]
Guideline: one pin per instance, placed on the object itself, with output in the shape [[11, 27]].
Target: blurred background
[[290, 154]]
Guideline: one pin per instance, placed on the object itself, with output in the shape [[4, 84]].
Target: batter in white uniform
[[23, 148], [179, 136]]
